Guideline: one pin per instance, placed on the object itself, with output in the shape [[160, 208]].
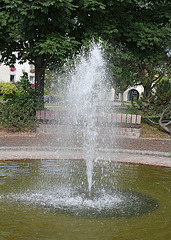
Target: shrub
[[18, 113], [7, 88], [15, 117]]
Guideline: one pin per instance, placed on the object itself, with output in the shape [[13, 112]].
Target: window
[[12, 77], [133, 95], [32, 68], [32, 79]]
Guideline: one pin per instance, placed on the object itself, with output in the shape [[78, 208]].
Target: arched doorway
[[133, 95]]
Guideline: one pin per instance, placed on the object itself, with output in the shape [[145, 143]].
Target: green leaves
[[7, 88], [18, 111], [38, 27], [135, 23], [56, 44], [122, 66], [17, 118]]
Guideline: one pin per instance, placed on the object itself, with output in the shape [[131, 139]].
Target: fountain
[[86, 90], [77, 199]]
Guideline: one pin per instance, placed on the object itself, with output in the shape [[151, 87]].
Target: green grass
[[149, 131]]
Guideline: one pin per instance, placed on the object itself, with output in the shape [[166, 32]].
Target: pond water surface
[[48, 200]]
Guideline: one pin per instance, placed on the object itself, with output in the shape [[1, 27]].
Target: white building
[[13, 73], [132, 92]]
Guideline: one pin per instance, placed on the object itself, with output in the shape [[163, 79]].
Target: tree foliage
[[150, 73], [38, 31], [48, 31], [122, 67], [156, 108], [147, 36]]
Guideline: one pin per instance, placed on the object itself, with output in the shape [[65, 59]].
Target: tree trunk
[[122, 101], [164, 125], [161, 123], [40, 65], [147, 87], [146, 79]]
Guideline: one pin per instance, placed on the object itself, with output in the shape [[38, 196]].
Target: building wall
[[113, 97], [139, 88], [5, 72]]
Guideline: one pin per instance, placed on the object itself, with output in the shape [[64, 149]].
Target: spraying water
[[85, 91]]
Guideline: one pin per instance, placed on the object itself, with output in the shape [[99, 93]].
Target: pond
[[48, 199]]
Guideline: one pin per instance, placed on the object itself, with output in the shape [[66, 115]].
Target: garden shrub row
[[18, 111]]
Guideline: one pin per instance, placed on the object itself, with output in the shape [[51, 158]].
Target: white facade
[[137, 90], [13, 74]]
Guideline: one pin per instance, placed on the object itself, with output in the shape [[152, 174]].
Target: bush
[[15, 117], [7, 88], [18, 113]]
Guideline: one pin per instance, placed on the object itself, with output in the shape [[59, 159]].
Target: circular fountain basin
[[48, 199]]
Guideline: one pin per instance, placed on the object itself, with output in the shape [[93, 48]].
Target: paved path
[[141, 151], [140, 144]]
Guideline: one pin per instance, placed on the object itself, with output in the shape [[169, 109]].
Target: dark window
[[32, 79], [11, 78], [133, 95]]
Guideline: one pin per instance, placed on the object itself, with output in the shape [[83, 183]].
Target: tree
[[43, 32], [156, 108], [151, 43], [39, 30], [48, 31], [122, 68], [151, 73], [146, 35]]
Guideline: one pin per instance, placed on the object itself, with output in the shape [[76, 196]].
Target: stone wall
[[128, 132], [117, 131]]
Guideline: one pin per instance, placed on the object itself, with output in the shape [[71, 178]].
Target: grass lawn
[[149, 131]]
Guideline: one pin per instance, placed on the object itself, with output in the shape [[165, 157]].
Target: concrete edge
[[118, 156], [44, 148]]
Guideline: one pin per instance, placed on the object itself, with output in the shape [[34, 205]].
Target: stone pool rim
[[119, 155]]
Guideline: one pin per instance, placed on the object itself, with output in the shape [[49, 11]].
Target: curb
[[31, 148]]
